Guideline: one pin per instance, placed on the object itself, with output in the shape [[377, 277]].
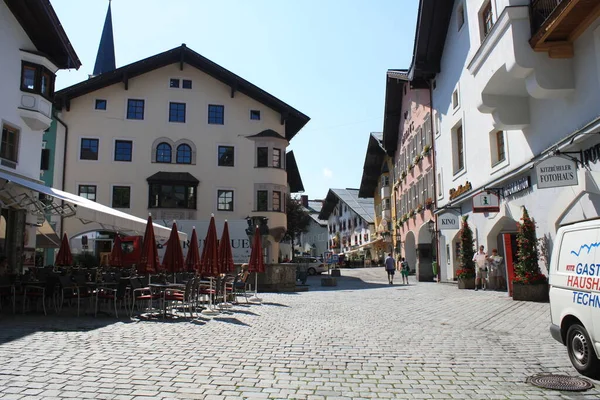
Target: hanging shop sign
[[556, 172], [486, 202], [448, 220], [517, 186], [462, 189], [591, 155]]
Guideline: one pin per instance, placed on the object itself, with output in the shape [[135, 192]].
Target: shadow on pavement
[[230, 321], [344, 283]]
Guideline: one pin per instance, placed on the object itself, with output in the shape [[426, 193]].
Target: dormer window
[[37, 79]]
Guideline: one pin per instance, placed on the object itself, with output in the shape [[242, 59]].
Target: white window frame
[[169, 111], [460, 10], [230, 189], [77, 184], [126, 100], [114, 148], [98, 109], [455, 107], [19, 133], [99, 152], [234, 154]]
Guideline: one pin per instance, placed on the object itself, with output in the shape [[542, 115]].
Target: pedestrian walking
[[481, 268], [390, 267], [404, 270]]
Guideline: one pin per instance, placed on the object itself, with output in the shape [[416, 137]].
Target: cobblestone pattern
[[363, 339]]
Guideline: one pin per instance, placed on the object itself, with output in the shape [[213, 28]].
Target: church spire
[[105, 60]]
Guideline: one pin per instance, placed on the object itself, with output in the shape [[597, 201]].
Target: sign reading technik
[[556, 172]]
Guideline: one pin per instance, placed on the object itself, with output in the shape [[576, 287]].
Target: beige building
[[178, 136]]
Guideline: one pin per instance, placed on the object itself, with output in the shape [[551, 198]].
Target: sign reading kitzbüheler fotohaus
[[448, 220], [556, 172]]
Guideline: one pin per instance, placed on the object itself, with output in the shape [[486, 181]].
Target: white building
[[512, 85], [314, 241], [180, 137], [34, 46], [350, 224]]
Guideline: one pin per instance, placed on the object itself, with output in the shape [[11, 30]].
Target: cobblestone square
[[361, 339]]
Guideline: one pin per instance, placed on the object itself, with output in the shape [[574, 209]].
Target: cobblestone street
[[361, 339]]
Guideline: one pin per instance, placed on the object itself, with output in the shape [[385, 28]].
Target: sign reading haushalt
[[556, 172], [448, 220], [486, 202]]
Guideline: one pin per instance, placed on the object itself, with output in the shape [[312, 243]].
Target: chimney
[[304, 200]]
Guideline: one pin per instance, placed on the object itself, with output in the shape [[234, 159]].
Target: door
[[511, 258]]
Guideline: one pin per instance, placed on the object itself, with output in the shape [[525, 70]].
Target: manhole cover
[[560, 382]]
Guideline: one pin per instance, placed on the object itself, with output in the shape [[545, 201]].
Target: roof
[[372, 167], [294, 119], [267, 133], [315, 217], [433, 19], [394, 89], [293, 174], [315, 205], [363, 207], [169, 177], [105, 59], [40, 22]]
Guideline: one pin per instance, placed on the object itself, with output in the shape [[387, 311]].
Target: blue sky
[[325, 58]]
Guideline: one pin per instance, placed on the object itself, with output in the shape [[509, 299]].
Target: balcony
[[508, 72], [556, 24], [35, 111]]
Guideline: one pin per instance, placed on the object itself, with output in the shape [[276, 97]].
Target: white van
[[575, 294]]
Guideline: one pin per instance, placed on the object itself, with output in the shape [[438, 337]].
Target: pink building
[[408, 136]]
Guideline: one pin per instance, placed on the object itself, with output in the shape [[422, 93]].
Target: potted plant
[[417, 159], [411, 166], [426, 149], [428, 203], [403, 174], [419, 208], [466, 272], [529, 284]]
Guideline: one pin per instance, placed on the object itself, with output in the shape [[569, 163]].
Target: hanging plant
[[426, 149], [417, 159], [419, 208], [403, 174], [429, 203], [410, 166]]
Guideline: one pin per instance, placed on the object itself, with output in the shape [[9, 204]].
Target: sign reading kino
[[448, 220]]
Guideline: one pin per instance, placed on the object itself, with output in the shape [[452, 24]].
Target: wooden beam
[[558, 49], [234, 88], [284, 117], [585, 23], [181, 57], [548, 27], [68, 104], [126, 81]]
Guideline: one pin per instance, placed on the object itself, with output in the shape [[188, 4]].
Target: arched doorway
[[503, 237], [424, 254], [410, 250]]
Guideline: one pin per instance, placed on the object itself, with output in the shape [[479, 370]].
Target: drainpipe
[[64, 170], [435, 218]]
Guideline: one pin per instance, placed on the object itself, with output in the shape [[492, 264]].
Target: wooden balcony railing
[[540, 11]]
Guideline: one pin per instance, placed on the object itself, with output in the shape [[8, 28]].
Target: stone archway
[[410, 250], [505, 225]]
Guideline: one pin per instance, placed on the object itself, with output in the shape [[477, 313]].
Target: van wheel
[[312, 271], [581, 352]]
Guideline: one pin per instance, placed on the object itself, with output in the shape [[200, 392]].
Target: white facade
[[500, 93], [240, 181]]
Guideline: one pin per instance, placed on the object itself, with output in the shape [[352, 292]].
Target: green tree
[[466, 253], [298, 220], [527, 269]]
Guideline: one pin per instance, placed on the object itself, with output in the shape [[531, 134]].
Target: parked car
[[574, 278], [315, 266]]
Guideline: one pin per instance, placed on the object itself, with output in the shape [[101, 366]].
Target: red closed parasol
[[173, 259], [148, 263], [256, 263], [225, 254], [209, 262], [116, 255], [64, 256], [192, 259]]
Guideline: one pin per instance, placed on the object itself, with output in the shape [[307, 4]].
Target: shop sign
[[454, 193], [517, 186], [448, 220], [591, 155], [486, 202], [556, 172]]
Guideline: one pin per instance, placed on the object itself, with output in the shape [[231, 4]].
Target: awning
[[47, 200], [173, 178], [45, 238]]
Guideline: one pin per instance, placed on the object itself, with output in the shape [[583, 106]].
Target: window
[[123, 150], [135, 109], [385, 180], [37, 79], [276, 158], [121, 197], [276, 200], [262, 157], [487, 19], [163, 153], [500, 145], [255, 115], [225, 200], [226, 154], [184, 154], [9, 148], [174, 83], [172, 196], [458, 150], [455, 102], [100, 104], [176, 112], [89, 149], [262, 200], [187, 84], [88, 192], [216, 114], [460, 16]]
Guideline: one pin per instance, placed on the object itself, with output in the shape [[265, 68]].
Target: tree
[[466, 253], [298, 219], [527, 269]]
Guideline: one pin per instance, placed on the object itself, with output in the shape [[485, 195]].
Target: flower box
[[466, 283], [426, 149], [537, 292], [410, 166]]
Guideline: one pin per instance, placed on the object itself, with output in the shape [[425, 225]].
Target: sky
[[326, 58]]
